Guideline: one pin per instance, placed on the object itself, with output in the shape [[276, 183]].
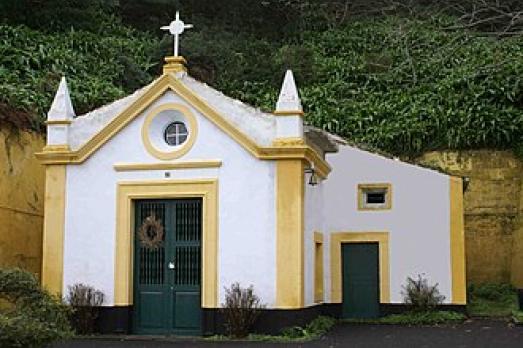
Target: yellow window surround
[[363, 188]]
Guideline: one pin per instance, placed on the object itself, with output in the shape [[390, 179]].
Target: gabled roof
[[249, 127]]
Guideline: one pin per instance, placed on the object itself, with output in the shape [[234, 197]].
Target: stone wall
[[21, 199], [493, 212]]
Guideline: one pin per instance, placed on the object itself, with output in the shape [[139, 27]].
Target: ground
[[473, 333]]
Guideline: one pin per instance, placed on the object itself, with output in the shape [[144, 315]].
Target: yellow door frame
[[337, 238], [127, 191]]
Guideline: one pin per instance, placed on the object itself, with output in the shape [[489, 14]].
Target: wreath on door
[[150, 233]]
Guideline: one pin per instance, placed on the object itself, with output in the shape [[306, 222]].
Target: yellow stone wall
[[21, 199], [493, 205]]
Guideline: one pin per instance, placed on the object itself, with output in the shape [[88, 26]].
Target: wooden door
[[167, 267], [360, 280]]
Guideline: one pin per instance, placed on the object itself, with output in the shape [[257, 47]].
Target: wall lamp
[[313, 179]]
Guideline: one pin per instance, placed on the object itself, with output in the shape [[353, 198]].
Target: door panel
[[360, 280], [168, 273]]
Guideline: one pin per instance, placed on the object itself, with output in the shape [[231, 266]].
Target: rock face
[[493, 212], [21, 199]]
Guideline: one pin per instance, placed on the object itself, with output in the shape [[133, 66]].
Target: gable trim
[[169, 81]]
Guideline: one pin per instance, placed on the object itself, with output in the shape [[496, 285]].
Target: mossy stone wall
[[493, 204], [22, 181]]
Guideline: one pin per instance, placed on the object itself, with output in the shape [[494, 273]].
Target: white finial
[[176, 28], [289, 99], [62, 107]]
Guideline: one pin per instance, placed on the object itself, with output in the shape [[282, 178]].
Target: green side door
[[167, 267], [360, 280]]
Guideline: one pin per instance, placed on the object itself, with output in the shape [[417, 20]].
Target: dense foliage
[[29, 317], [391, 77]]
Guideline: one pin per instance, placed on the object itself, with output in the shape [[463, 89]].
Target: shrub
[[241, 309], [314, 329], [492, 291], [84, 299], [420, 295], [34, 318]]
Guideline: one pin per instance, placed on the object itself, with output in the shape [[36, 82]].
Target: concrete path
[[471, 334]]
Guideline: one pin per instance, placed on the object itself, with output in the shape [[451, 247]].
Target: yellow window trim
[[388, 196], [337, 238], [195, 164], [53, 234], [170, 82], [318, 267], [457, 242], [183, 148], [207, 189]]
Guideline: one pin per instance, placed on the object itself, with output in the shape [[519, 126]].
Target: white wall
[[314, 222], [246, 207], [418, 223]]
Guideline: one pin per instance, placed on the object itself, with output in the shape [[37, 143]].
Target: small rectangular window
[[374, 196]]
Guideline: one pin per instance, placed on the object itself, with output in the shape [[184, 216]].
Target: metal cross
[[176, 28]]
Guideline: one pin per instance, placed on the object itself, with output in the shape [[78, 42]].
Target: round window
[[176, 133]]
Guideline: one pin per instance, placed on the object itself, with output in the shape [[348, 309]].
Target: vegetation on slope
[[399, 80]]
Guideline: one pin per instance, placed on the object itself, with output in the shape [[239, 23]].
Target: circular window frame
[[179, 150]]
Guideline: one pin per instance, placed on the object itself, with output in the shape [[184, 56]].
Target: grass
[[415, 318], [492, 300], [517, 317], [315, 329]]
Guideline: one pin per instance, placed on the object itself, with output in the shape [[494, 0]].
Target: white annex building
[[163, 198]]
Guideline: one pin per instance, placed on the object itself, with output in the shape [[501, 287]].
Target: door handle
[[170, 265]]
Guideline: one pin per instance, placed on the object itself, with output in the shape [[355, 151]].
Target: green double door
[[360, 280], [167, 267]]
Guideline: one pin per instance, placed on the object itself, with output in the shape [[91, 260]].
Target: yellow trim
[[457, 242], [57, 148], [54, 222], [337, 238], [294, 141], [388, 196], [57, 122], [125, 167], [174, 64], [288, 113], [318, 267], [128, 191], [289, 234], [180, 150], [164, 83]]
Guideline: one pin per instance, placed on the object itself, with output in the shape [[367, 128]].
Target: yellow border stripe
[[54, 221], [457, 242], [123, 167], [337, 238], [289, 234], [207, 189]]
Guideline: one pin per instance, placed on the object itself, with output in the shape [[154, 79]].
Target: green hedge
[[34, 318]]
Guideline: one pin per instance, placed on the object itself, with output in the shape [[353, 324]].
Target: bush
[[241, 309], [84, 299], [35, 318], [420, 295], [492, 291]]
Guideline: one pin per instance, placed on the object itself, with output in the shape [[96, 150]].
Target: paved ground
[[473, 334]]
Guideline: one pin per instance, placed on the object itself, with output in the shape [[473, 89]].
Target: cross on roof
[[176, 28]]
